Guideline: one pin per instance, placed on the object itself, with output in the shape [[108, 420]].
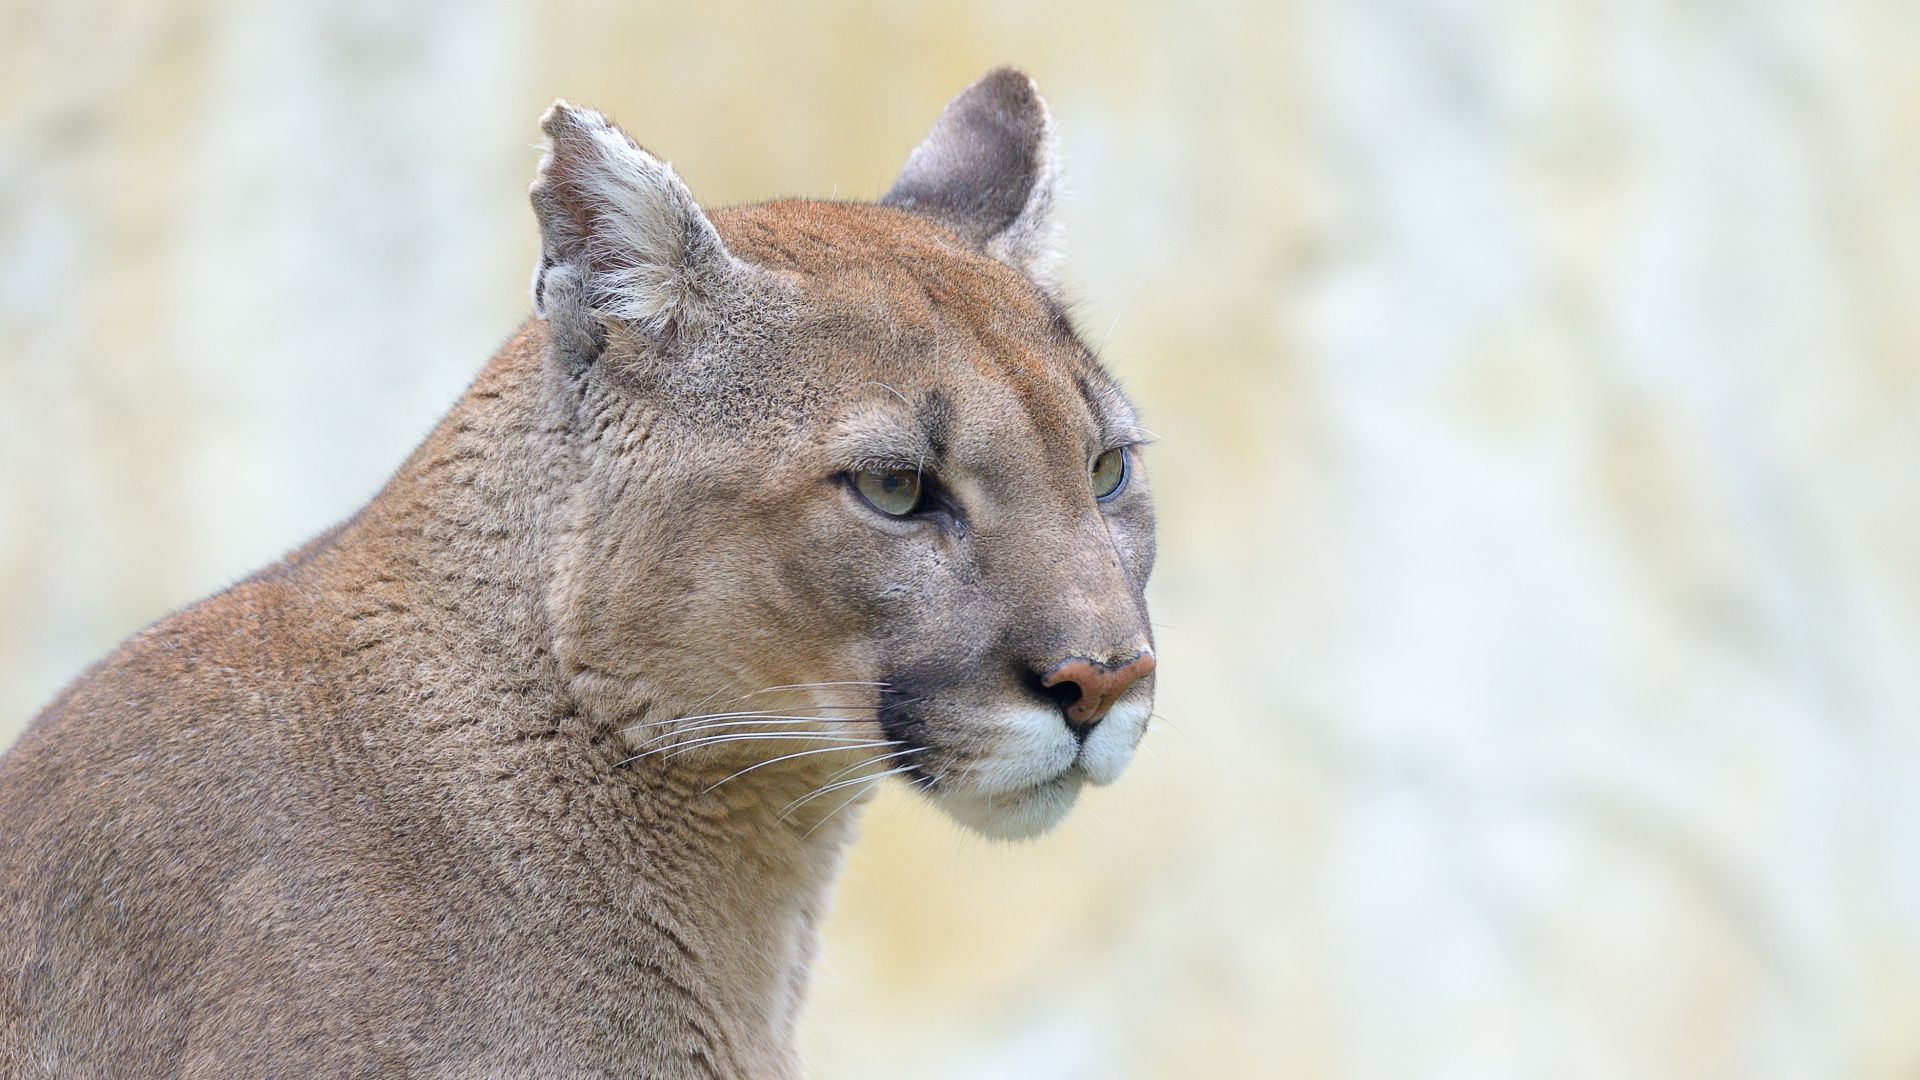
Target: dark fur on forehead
[[935, 416]]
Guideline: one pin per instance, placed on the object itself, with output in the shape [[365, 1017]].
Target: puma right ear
[[988, 170], [621, 238]]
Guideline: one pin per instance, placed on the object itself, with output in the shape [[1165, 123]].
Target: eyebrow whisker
[[890, 390]]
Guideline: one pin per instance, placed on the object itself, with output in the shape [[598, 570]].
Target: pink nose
[[1099, 685]]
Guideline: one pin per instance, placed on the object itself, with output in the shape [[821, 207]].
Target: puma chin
[[1030, 778]]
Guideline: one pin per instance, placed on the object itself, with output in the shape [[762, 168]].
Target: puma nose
[[1087, 688]]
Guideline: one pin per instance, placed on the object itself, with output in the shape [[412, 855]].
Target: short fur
[[488, 780]]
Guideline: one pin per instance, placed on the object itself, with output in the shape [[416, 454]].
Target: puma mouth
[[1019, 814], [1015, 774]]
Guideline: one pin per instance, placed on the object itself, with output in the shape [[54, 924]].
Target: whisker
[[713, 740], [815, 685], [774, 736], [705, 701], [695, 717], [844, 803], [741, 714], [748, 722], [771, 761], [825, 788], [771, 718], [1122, 309], [890, 390], [762, 713], [1168, 724], [837, 774]]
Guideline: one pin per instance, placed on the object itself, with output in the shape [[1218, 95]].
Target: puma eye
[[895, 492], [1109, 474]]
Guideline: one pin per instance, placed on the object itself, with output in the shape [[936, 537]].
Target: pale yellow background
[[1539, 393]]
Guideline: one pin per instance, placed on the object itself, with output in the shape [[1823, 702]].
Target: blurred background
[[1538, 386]]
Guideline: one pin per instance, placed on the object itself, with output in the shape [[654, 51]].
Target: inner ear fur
[[621, 237]]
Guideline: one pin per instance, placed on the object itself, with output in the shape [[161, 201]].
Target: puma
[[543, 762]]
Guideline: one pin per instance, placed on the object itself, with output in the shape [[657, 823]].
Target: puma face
[[851, 476]]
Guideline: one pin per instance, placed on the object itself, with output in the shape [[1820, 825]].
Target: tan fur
[[397, 804]]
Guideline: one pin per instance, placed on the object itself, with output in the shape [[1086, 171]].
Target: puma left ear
[[988, 171], [621, 238]]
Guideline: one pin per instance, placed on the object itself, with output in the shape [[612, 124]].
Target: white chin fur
[[1017, 815], [1033, 773], [1110, 744], [1029, 779], [1024, 748]]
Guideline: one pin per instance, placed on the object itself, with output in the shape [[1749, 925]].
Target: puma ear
[[988, 170], [621, 238]]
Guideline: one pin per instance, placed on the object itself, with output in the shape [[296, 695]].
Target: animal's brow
[[879, 436], [1113, 418]]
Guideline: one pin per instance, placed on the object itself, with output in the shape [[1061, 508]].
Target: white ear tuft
[[621, 237], [989, 170]]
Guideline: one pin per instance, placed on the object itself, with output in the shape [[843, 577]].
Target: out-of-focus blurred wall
[[1538, 387]]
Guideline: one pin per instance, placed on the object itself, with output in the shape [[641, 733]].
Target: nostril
[[1077, 688], [1085, 688], [1063, 694]]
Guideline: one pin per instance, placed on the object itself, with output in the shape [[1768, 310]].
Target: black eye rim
[[1126, 473]]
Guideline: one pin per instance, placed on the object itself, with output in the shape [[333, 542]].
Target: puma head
[[847, 465]]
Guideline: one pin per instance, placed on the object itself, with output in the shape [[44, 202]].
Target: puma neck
[[443, 588]]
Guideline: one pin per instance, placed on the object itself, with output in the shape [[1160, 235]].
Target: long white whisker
[[771, 761], [713, 740], [816, 685], [775, 718], [749, 722], [853, 781], [1168, 724], [844, 803], [773, 736], [763, 713], [743, 714], [838, 773], [703, 702], [822, 790]]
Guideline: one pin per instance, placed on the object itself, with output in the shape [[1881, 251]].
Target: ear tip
[[1008, 81], [1012, 93], [556, 114], [564, 116], [1010, 75]]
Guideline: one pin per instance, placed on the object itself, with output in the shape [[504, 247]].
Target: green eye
[[1109, 474], [890, 491]]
